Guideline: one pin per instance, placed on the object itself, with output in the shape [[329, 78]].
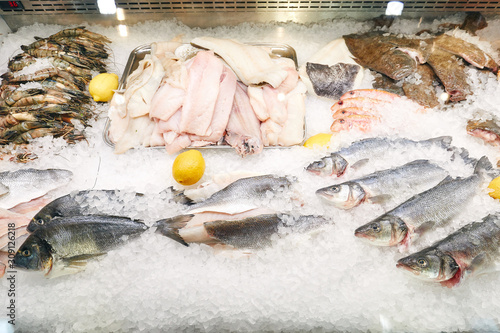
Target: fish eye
[[376, 227], [26, 253], [341, 121], [422, 262], [335, 189], [319, 164], [343, 112], [40, 222]]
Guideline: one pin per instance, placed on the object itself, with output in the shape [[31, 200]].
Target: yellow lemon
[[495, 186], [188, 167], [320, 139], [101, 86]]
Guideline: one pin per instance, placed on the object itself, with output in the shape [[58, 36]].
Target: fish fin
[[360, 163], [71, 265], [380, 199], [424, 227], [485, 170], [476, 264], [178, 196], [170, 227]]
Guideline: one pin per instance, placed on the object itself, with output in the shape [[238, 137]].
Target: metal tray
[[138, 54]]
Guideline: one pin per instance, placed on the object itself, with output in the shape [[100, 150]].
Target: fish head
[[38, 221], [33, 255], [333, 164], [386, 230], [346, 195], [430, 265]]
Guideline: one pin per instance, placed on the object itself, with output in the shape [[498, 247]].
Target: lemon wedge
[[102, 86], [188, 167], [495, 186], [320, 139]]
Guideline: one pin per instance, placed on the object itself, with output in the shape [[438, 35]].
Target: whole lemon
[[188, 167], [102, 86], [495, 186], [320, 139]]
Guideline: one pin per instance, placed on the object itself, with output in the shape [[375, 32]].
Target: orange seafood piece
[[371, 93], [361, 122]]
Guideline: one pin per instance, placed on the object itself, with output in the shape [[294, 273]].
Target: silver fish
[[473, 249], [27, 184], [88, 202], [241, 195], [362, 151], [65, 245], [250, 232], [424, 211], [380, 186]]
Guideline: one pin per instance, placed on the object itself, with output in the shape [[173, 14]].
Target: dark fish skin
[[74, 204], [382, 82], [451, 73], [473, 22], [473, 248], [488, 130], [332, 81], [75, 238], [252, 232], [423, 93], [372, 51]]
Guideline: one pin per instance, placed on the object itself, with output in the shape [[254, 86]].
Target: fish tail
[[444, 141], [484, 169], [170, 227], [463, 154], [178, 196]]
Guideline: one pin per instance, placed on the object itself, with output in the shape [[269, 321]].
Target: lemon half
[[102, 86], [495, 186], [188, 167], [320, 139]]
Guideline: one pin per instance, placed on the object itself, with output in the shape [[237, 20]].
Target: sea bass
[[241, 195], [380, 186], [27, 184], [361, 151], [64, 246], [424, 211], [473, 249], [252, 232], [89, 202]]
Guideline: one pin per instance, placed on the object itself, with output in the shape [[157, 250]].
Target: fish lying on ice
[[361, 151], [424, 211], [27, 184], [251, 232], [472, 250], [488, 130], [88, 202], [241, 195], [64, 246], [380, 186]]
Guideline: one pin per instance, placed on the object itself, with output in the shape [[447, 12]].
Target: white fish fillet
[[141, 87], [138, 132], [333, 53], [292, 132], [252, 64]]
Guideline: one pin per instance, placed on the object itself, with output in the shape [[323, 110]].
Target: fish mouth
[[360, 234]]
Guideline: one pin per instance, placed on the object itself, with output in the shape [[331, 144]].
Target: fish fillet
[[252, 64], [201, 95]]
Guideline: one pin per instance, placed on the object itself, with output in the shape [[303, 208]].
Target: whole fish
[[424, 211], [64, 246], [27, 184], [248, 232], [473, 249], [241, 195], [86, 202], [362, 151], [380, 186]]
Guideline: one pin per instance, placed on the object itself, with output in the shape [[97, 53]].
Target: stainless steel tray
[[138, 54]]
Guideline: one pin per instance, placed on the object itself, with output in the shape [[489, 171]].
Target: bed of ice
[[321, 282]]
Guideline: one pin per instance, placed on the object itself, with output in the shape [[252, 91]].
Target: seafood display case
[[377, 210]]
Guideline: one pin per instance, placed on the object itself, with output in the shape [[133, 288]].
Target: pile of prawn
[[52, 100]]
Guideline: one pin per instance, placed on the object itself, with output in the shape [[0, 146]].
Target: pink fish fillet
[[166, 102], [243, 128], [222, 110], [201, 95]]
